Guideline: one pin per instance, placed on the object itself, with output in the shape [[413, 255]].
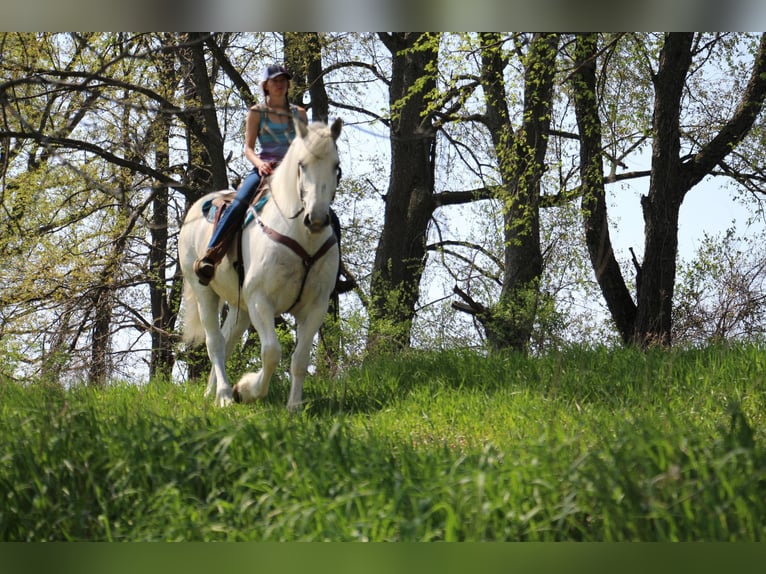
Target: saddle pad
[[255, 209], [209, 209]]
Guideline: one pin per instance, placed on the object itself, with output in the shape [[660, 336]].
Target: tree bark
[[662, 204], [208, 165], [162, 357], [409, 204], [521, 158], [303, 56], [594, 210]]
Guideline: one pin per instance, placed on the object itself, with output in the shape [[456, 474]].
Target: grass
[[579, 445]]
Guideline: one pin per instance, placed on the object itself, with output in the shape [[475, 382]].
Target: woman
[[271, 125]]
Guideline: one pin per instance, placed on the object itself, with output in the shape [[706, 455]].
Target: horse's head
[[318, 171]]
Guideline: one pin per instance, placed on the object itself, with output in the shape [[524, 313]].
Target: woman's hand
[[264, 167]]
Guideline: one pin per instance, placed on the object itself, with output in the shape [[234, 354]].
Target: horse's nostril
[[315, 224]]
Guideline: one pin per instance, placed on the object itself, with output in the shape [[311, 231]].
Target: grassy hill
[[581, 445]]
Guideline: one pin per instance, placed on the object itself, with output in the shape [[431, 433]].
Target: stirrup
[[205, 269]]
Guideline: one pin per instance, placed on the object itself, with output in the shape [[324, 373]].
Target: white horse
[[290, 257]]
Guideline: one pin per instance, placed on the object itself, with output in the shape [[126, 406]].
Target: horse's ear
[[335, 128], [301, 127]]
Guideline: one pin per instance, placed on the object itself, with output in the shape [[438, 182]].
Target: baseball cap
[[275, 70]]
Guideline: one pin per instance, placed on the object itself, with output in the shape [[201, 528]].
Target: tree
[[163, 301], [680, 160], [78, 214], [93, 241], [401, 250], [721, 294], [521, 157], [674, 175], [593, 203]]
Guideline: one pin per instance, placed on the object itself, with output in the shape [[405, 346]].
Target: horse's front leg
[[254, 386], [306, 330], [210, 383]]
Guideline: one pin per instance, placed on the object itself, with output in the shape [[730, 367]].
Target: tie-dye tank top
[[275, 137]]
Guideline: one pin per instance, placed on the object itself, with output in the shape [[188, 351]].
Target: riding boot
[[341, 286], [206, 265]]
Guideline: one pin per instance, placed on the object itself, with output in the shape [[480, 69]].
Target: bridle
[[302, 190], [307, 259]]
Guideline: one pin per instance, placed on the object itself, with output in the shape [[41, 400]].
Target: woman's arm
[[252, 124]]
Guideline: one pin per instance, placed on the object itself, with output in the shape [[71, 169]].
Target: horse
[[289, 264]]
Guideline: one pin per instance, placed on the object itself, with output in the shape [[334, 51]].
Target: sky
[[708, 208]]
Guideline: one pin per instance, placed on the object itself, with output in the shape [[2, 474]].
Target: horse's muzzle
[[316, 224]]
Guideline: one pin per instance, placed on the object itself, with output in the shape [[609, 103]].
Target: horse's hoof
[[294, 408], [236, 396], [223, 402]]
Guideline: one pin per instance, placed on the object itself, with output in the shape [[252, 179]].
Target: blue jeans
[[235, 213]]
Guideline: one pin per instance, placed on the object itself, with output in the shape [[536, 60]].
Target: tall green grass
[[579, 445]]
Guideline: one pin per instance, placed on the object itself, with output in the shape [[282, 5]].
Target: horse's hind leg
[[237, 320], [216, 347]]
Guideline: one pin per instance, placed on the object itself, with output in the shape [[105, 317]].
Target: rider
[[272, 126]]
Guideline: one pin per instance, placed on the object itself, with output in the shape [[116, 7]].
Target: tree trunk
[[521, 158], [303, 57], [101, 340], [162, 356], [163, 305], [409, 204], [662, 204], [207, 165], [103, 307], [594, 210]]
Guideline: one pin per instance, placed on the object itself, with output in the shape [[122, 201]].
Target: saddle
[[215, 207]]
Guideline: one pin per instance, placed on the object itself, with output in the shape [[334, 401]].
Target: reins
[[274, 165]]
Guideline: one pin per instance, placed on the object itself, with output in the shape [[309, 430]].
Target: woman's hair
[[265, 91]]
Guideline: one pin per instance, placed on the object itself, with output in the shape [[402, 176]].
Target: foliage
[[575, 445], [106, 137], [722, 291]]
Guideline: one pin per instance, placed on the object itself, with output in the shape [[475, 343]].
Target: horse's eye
[[340, 172]]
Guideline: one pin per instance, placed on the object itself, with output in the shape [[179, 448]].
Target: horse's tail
[[193, 332]]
